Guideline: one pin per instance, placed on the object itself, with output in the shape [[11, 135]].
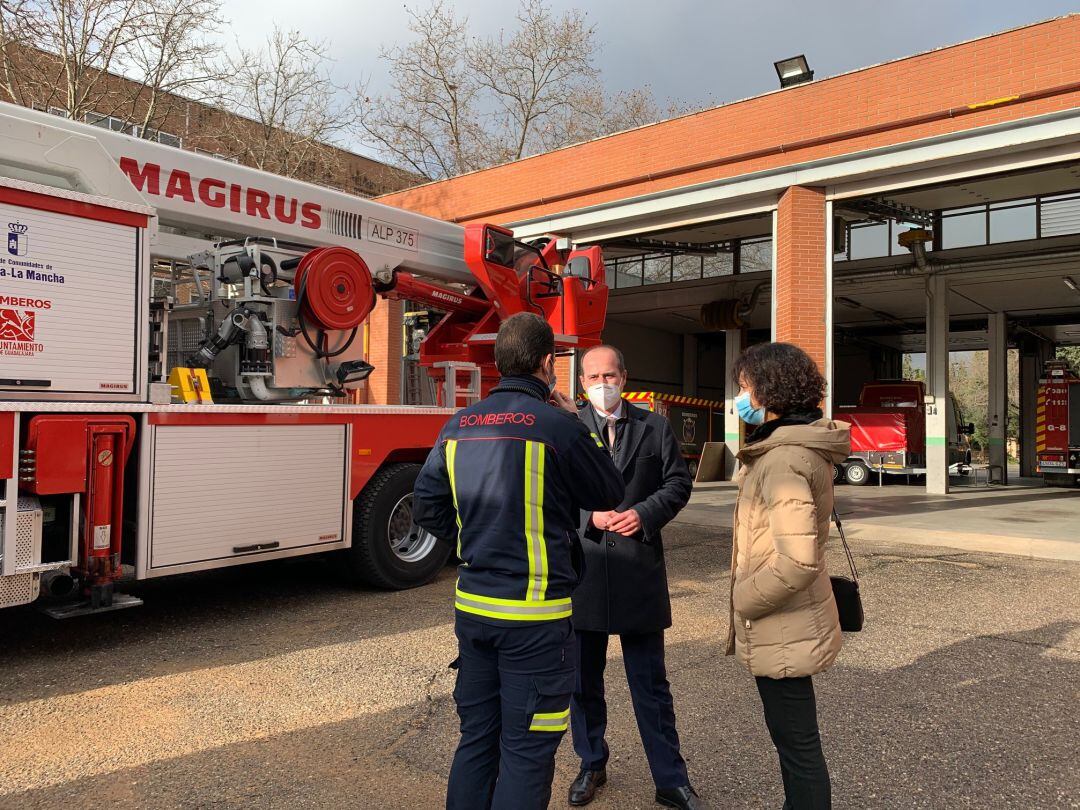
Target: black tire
[[837, 473], [857, 474], [372, 560]]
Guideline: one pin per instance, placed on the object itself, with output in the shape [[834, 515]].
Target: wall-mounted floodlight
[[793, 71], [1072, 285]]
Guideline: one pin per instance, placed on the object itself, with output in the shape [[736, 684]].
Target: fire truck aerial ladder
[[179, 347]]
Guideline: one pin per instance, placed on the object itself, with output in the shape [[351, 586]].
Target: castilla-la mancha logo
[[17, 243]]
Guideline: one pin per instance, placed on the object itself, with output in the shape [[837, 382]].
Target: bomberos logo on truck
[[18, 327], [155, 180]]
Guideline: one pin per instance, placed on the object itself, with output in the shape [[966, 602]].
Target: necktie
[[611, 434]]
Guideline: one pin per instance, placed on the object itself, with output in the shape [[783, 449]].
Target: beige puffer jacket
[[783, 617]]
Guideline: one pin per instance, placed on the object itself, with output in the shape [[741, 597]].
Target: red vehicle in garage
[[1057, 425], [888, 432]]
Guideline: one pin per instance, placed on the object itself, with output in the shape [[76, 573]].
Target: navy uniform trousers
[[513, 697], [643, 657]]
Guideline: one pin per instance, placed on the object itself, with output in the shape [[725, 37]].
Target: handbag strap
[[843, 541]]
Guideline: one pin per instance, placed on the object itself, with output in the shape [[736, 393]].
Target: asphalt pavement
[[276, 686]]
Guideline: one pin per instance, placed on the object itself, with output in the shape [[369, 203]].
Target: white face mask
[[604, 396]]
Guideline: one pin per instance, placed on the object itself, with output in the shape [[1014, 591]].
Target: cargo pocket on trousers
[[549, 702], [455, 667]]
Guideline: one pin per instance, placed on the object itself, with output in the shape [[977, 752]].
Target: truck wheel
[[857, 474], [389, 550], [837, 473]]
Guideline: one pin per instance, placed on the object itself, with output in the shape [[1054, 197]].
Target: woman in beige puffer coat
[[784, 625]]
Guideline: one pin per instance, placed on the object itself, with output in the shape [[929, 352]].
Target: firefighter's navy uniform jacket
[[506, 483]]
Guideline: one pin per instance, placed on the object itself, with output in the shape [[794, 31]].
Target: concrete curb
[[1034, 548], [869, 533]]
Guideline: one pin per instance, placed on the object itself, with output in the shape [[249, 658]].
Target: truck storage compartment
[[71, 290], [220, 493]]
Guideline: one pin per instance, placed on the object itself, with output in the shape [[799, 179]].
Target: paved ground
[[1025, 518], [274, 687]]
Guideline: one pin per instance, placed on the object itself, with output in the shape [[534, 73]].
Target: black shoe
[[583, 789], [682, 797]]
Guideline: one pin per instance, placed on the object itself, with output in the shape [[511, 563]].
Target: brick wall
[[1023, 61], [800, 270], [385, 346]]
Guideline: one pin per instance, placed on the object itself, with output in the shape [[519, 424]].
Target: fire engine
[[182, 340], [1057, 425]]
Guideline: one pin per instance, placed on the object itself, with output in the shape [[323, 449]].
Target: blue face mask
[[747, 412]]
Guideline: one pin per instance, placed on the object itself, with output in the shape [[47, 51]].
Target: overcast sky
[[701, 53]]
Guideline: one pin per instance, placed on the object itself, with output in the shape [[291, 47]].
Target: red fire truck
[[1057, 425], [181, 340]]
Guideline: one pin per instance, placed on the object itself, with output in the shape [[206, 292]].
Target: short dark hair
[[524, 340], [783, 377], [619, 359]]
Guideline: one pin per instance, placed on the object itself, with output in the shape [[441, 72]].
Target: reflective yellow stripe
[[451, 457], [536, 548], [596, 439], [550, 721], [517, 610], [495, 600]]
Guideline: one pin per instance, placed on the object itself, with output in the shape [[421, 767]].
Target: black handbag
[[846, 591]]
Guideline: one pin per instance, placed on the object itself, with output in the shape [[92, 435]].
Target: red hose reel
[[334, 287]]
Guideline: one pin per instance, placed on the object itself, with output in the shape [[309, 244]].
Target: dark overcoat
[[624, 588]]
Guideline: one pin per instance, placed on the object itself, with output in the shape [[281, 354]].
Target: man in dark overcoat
[[624, 590]]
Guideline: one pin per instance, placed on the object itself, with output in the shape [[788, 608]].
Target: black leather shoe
[[583, 789], [682, 797]]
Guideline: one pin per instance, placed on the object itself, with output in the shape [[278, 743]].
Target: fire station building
[[929, 204]]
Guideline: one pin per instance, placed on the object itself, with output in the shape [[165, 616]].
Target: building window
[[686, 267], [170, 139], [217, 155], [722, 264], [756, 255], [963, 227], [868, 240], [1013, 221], [60, 111], [628, 272], [658, 269], [1059, 214], [110, 122]]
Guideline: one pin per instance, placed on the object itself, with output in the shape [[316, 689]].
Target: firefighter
[[506, 482]]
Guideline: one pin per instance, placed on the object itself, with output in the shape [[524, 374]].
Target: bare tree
[[294, 109], [537, 76], [173, 60], [17, 24], [598, 114], [429, 120], [66, 50], [457, 103], [67, 55]]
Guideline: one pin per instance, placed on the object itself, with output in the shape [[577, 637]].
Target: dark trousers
[[513, 697], [791, 715], [643, 657]]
